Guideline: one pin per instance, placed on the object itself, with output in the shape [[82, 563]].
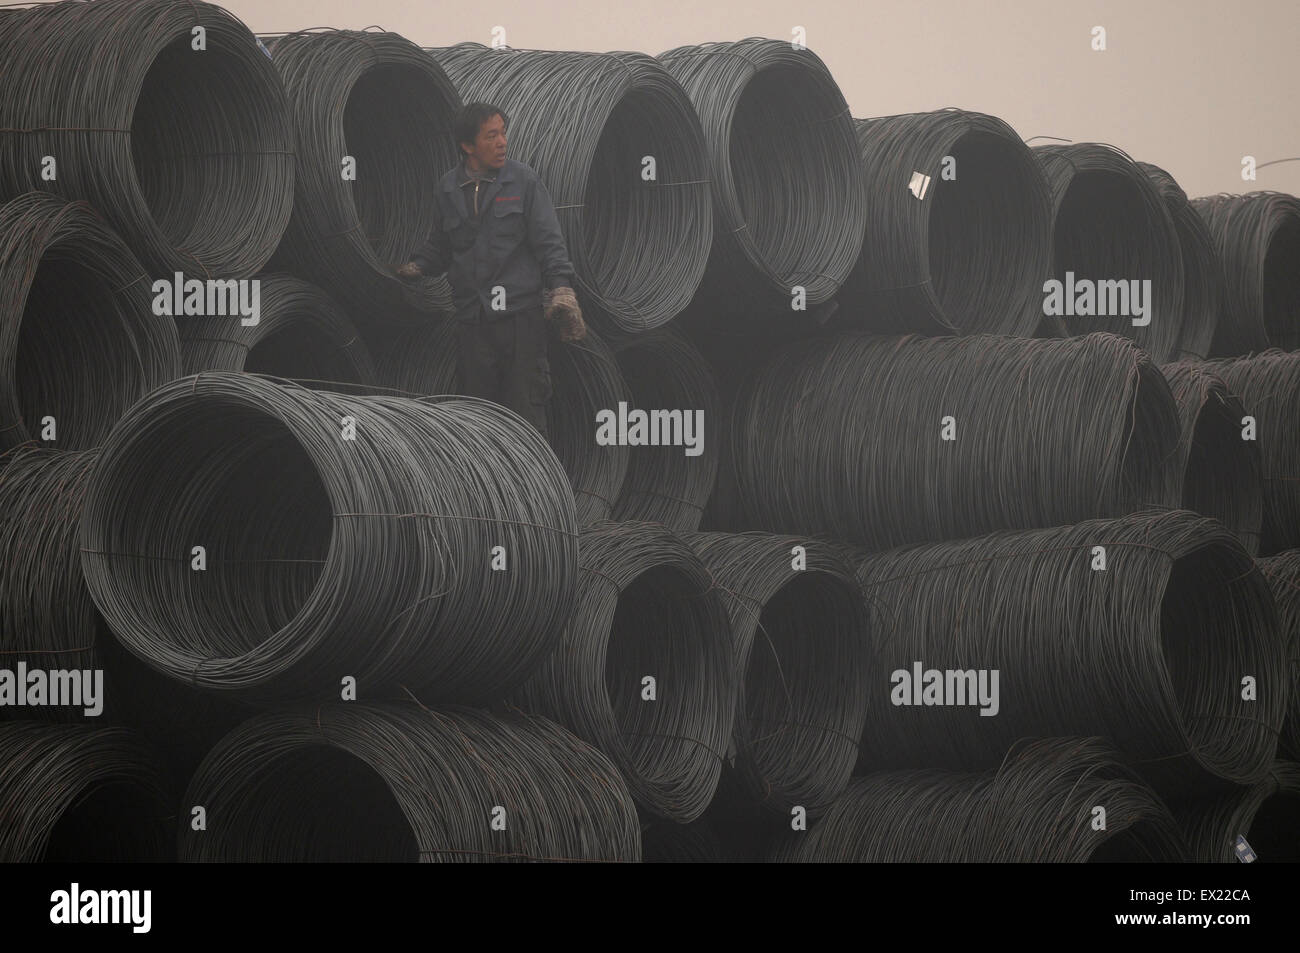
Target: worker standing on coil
[[497, 238]]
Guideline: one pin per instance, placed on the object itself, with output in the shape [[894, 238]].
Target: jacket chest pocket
[[507, 224], [460, 232]]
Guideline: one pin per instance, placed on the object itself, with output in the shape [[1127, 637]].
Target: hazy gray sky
[[1191, 85]]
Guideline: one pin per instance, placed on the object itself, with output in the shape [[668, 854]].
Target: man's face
[[490, 146]]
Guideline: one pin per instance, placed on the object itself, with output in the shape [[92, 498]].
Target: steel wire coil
[[72, 794], [187, 153], [1257, 238], [79, 342], [1217, 473], [966, 251], [1202, 271], [665, 484], [585, 379], [1037, 807], [1267, 814], [301, 334], [802, 650], [1283, 574], [732, 358], [585, 122], [378, 98], [789, 205], [1109, 223], [1148, 652], [1268, 385], [48, 621], [400, 782], [842, 436], [329, 556], [646, 607]]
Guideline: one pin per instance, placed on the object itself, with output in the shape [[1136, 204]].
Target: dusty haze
[[1191, 86]]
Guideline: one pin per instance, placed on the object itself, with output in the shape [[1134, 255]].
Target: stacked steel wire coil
[[1261, 815], [261, 538], [1120, 628], [46, 616], [645, 669], [885, 441], [1040, 806], [71, 793], [619, 147], [1110, 224], [1216, 472], [669, 483], [48, 622], [1009, 583], [789, 207], [300, 333], [373, 119], [79, 341], [164, 115], [1268, 385], [1257, 238], [1202, 271], [959, 235], [802, 652], [394, 782], [1283, 575]]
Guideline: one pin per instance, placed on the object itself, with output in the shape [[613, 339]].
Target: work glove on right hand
[[560, 305]]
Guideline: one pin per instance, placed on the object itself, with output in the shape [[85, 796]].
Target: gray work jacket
[[515, 245]]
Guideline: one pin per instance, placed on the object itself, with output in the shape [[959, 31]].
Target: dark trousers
[[503, 358]]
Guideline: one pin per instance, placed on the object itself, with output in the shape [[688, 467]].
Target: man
[[496, 236]]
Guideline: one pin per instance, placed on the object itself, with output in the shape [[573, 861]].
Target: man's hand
[[409, 270], [560, 305]]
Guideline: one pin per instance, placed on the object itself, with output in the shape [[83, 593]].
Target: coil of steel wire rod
[[1266, 815], [74, 794], [48, 622], [732, 357], [301, 333], [802, 649], [585, 380], [671, 473], [400, 782], [79, 342], [1268, 385], [1110, 228], [789, 207], [1217, 472], [1121, 628], [644, 671], [1202, 271], [164, 115], [1257, 238], [1037, 807], [1283, 574], [638, 232], [959, 236], [257, 537], [884, 441], [373, 116]]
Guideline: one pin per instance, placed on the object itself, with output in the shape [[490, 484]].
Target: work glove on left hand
[[560, 305]]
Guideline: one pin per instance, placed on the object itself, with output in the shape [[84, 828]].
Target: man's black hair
[[470, 120]]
